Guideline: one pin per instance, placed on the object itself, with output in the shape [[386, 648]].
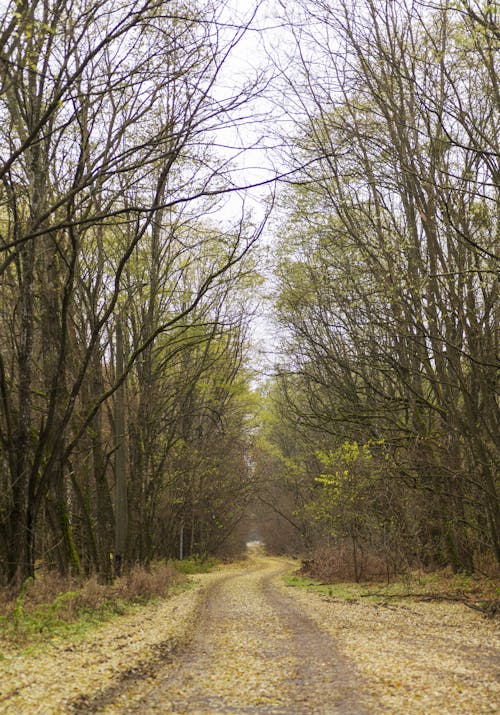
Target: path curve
[[256, 651]]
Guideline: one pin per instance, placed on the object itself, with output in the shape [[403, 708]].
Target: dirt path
[[256, 651], [242, 642]]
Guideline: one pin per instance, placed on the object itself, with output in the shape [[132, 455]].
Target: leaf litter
[[243, 642], [427, 657]]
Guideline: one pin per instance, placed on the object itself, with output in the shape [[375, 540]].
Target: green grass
[[415, 584], [47, 624], [344, 591], [50, 609], [49, 621], [196, 565]]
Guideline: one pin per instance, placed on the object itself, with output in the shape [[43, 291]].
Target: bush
[[337, 563]]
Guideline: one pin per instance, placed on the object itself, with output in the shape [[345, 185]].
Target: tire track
[[256, 652]]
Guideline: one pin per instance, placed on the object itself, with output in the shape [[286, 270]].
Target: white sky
[[247, 60]]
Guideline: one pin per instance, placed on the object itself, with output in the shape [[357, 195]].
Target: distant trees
[[110, 267], [388, 276], [124, 295]]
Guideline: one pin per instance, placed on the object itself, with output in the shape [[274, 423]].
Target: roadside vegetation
[[196, 564], [478, 593], [53, 607]]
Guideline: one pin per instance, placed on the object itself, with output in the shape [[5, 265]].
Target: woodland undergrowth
[[52, 606], [479, 592]]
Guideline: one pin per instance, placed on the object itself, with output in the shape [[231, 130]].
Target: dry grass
[[478, 592], [50, 602], [334, 565]]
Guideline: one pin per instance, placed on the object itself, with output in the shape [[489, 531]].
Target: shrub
[[49, 603], [337, 563]]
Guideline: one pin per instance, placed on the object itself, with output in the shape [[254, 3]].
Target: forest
[[138, 419]]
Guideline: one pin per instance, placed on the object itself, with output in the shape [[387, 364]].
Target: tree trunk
[[121, 511]]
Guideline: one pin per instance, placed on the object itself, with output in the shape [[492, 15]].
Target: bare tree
[[390, 292], [109, 116]]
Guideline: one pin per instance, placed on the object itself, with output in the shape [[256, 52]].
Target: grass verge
[[482, 594], [196, 565], [52, 608]]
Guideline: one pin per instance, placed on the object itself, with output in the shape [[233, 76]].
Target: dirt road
[[256, 651], [242, 642]]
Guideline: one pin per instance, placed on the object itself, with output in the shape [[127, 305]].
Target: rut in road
[[256, 651]]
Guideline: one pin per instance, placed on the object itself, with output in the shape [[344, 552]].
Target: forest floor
[[242, 641]]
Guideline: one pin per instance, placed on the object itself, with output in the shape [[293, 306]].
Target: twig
[[488, 608]]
